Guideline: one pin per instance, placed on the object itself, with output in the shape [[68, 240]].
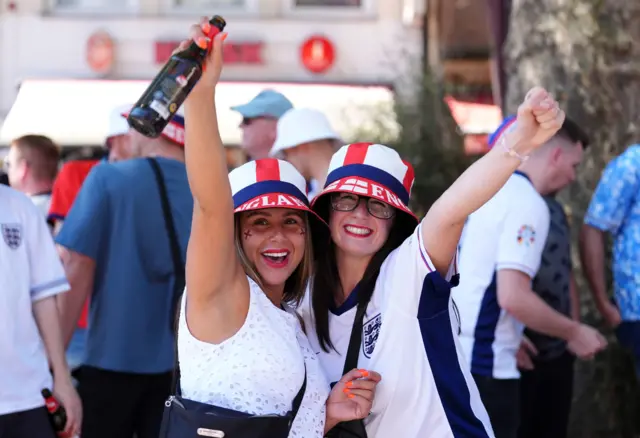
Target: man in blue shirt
[[259, 122], [116, 250], [615, 208]]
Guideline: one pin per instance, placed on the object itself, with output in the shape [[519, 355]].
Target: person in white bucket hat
[[240, 345], [386, 278], [306, 139], [117, 140]]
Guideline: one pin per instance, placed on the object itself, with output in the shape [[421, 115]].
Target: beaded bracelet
[[508, 150]]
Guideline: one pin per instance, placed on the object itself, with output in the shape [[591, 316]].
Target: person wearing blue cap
[[259, 121]]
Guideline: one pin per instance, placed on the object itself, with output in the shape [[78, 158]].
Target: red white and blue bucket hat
[[270, 183], [371, 170]]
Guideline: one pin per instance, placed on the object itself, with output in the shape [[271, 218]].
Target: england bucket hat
[[370, 170], [270, 183]]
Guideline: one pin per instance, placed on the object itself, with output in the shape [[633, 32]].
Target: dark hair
[[326, 281], [573, 132]]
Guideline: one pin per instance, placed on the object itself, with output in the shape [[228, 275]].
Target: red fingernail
[[206, 27], [202, 42], [224, 36]]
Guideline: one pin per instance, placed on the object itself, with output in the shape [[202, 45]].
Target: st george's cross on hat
[[268, 183], [174, 130], [371, 170]]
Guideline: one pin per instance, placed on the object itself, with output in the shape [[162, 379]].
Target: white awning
[[76, 112]]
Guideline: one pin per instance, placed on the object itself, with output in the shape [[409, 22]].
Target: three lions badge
[[370, 332], [12, 235]]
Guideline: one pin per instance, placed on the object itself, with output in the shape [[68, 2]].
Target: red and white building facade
[[54, 51]]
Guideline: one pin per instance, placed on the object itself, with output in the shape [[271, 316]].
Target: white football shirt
[[410, 336], [508, 232], [30, 270]]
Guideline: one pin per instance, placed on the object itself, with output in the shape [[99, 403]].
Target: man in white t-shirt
[[31, 276], [500, 252]]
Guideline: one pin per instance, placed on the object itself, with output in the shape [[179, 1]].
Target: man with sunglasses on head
[[259, 122]]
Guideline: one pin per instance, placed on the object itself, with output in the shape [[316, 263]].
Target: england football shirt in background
[[508, 232], [410, 337], [30, 270]]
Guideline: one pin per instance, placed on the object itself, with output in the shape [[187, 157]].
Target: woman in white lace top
[[240, 347]]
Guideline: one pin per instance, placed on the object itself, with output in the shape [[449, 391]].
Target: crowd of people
[[298, 295]]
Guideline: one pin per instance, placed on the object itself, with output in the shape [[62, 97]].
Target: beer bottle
[[166, 93], [57, 414]]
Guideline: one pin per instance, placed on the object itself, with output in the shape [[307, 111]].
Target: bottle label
[[51, 405], [176, 85], [159, 107]]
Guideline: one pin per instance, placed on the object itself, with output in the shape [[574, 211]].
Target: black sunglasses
[[349, 202]]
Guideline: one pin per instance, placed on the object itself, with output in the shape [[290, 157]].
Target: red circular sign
[[318, 54], [100, 52]]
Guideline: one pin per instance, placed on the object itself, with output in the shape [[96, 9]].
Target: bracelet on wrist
[[502, 143]]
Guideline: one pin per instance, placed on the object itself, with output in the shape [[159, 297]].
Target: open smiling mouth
[[355, 231], [276, 258]]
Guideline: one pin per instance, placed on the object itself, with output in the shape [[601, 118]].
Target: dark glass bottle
[[57, 413], [166, 93]]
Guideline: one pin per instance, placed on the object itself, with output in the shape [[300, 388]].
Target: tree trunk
[[586, 52]]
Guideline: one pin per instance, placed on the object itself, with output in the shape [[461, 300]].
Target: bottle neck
[[194, 52]]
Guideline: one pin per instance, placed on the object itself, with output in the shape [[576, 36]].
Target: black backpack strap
[[176, 257], [353, 352], [297, 401]]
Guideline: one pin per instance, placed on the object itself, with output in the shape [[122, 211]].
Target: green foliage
[[431, 142], [428, 138]]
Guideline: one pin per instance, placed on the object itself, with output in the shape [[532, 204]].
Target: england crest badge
[[12, 235], [370, 332]]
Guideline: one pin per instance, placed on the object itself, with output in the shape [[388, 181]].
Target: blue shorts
[[628, 334]]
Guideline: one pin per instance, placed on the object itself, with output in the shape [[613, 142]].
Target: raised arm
[[539, 118], [213, 272]]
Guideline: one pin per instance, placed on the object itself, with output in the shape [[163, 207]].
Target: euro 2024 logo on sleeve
[[370, 332], [526, 235], [12, 235]]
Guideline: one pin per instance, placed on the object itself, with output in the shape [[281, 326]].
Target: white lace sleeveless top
[[259, 370]]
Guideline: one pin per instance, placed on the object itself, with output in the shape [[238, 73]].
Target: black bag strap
[[297, 401], [176, 252], [353, 351], [176, 257]]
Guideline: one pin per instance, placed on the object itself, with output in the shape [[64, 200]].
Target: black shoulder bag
[[353, 428], [184, 418]]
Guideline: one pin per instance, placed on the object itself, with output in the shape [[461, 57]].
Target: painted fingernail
[[346, 391], [224, 36], [202, 42], [350, 395], [364, 373], [206, 27], [349, 384]]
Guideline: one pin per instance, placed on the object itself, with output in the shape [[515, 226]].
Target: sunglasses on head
[[246, 121], [349, 202]]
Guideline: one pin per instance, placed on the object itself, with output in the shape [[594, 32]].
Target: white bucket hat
[[302, 125], [117, 124]]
